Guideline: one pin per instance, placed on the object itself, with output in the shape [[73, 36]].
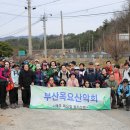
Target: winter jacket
[[4, 74], [90, 75], [118, 77], [73, 83], [26, 78], [39, 78], [126, 90], [109, 69], [15, 77], [126, 74], [64, 75], [51, 71], [45, 76], [111, 84]]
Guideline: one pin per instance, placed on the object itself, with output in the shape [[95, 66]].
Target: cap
[[76, 68], [97, 81], [90, 63], [36, 60], [97, 64], [125, 81], [26, 62], [44, 64]]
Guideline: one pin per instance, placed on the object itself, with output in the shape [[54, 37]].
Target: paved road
[[27, 119]]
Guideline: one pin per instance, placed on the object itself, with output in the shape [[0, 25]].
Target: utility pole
[[29, 29], [62, 34], [44, 19]]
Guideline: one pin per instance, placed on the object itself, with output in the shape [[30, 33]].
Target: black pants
[[119, 101], [3, 93], [128, 102], [13, 96], [26, 95], [113, 95], [0, 96]]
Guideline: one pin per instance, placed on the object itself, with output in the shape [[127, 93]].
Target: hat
[[11, 61], [36, 60], [38, 66], [97, 81], [97, 64], [125, 81], [44, 64], [76, 68], [25, 62], [90, 63]]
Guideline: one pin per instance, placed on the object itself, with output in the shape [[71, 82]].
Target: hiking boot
[[3, 107], [16, 105], [114, 106], [127, 109]]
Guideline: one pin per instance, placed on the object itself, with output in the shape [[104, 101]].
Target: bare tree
[[115, 47]]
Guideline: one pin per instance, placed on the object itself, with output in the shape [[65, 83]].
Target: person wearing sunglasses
[[62, 82]]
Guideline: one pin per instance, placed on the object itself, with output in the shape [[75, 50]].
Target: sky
[[14, 20]]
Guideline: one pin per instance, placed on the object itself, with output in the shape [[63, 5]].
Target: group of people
[[66, 75]]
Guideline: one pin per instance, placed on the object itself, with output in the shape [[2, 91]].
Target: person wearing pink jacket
[[72, 81]]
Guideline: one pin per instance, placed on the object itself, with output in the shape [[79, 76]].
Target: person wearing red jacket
[[4, 77], [108, 67]]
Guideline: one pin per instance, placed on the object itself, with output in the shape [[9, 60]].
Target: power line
[[10, 4], [97, 14], [11, 19], [19, 30], [65, 15], [47, 3], [6, 13], [94, 7]]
